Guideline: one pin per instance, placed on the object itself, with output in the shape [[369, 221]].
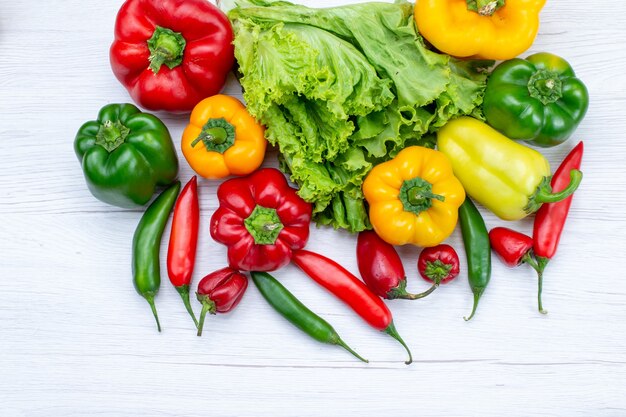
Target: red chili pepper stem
[[541, 265], [391, 331], [183, 290], [208, 306]]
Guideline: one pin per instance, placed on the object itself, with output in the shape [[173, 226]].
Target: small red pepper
[[349, 289], [220, 292], [550, 218], [261, 220], [381, 267], [181, 252], [439, 265], [170, 54], [513, 248]]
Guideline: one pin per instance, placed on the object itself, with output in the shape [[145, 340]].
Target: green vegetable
[[344, 88], [125, 155], [288, 306], [477, 250], [147, 244], [537, 99]]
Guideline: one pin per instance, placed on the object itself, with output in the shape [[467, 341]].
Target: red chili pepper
[[181, 252], [550, 219], [349, 289], [513, 248], [381, 268], [439, 265], [170, 54], [261, 219], [220, 292]]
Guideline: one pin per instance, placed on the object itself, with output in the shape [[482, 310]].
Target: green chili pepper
[[147, 244], [297, 313], [477, 250]]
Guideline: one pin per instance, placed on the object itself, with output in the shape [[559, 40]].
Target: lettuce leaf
[[344, 88]]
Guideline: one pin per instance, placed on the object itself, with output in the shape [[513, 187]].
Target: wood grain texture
[[76, 340]]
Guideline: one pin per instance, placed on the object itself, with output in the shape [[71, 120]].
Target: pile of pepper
[[177, 59]]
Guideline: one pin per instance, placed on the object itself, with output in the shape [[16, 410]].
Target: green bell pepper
[[538, 100], [125, 155]]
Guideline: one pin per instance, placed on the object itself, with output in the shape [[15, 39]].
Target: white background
[[76, 340]]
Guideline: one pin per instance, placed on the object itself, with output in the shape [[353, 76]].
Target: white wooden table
[[76, 340]]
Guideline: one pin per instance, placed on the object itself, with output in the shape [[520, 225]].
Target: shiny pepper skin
[[220, 292]]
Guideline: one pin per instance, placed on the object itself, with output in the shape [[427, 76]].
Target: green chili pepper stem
[[150, 299], [391, 331], [183, 290], [208, 306], [477, 295], [544, 192]]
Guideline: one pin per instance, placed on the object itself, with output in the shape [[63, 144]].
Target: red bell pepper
[[170, 54], [181, 252], [220, 292], [550, 218], [261, 220]]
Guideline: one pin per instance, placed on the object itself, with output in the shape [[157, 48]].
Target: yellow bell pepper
[[414, 198], [223, 139], [488, 29], [510, 179]]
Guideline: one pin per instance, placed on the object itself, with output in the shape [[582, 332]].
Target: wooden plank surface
[[76, 340]]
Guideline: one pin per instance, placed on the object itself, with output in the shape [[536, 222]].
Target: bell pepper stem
[[477, 295], [349, 349], [544, 196], [183, 290], [544, 192], [150, 299], [484, 7], [208, 306], [391, 331], [166, 47]]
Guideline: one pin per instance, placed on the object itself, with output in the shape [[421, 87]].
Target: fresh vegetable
[[147, 244], [342, 89], [349, 289], [414, 198], [181, 252], [438, 264], [288, 306], [477, 250], [261, 220], [492, 29], [537, 99], [170, 54], [381, 268], [125, 155], [220, 292], [550, 219], [508, 178], [222, 139], [513, 248]]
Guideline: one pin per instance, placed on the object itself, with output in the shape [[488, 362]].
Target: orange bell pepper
[[488, 29], [223, 139]]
